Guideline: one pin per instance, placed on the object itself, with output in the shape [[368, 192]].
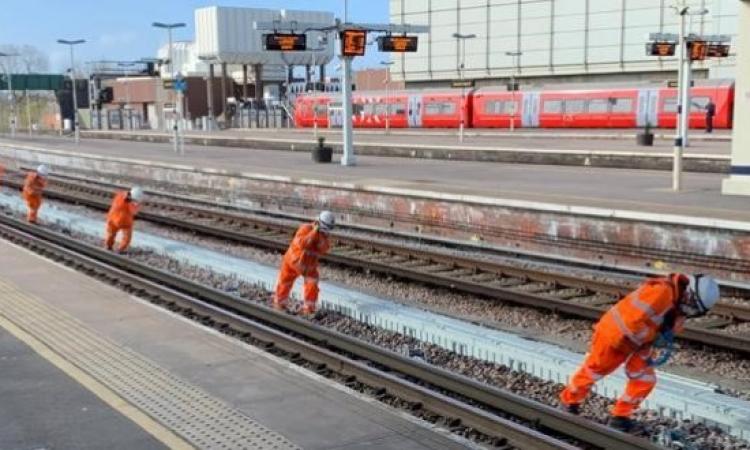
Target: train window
[[432, 109], [398, 109], [552, 106], [575, 106], [622, 105], [357, 109], [439, 108], [670, 105], [321, 109], [368, 109], [380, 109], [492, 107], [598, 105], [499, 107], [698, 104]]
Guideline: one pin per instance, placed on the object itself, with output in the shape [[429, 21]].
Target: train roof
[[605, 85], [568, 87]]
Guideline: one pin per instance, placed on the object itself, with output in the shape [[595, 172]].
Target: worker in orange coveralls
[[301, 259], [639, 331], [121, 217], [33, 187]]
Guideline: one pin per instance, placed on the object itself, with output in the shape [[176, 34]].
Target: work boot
[[624, 424], [308, 310], [572, 409], [278, 306]]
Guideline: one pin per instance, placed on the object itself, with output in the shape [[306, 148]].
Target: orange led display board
[[353, 42], [286, 42], [398, 44]]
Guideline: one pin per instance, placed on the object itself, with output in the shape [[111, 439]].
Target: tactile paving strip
[[199, 418]]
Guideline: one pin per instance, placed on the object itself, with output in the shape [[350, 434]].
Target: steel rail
[[353, 252], [700, 260], [328, 347]]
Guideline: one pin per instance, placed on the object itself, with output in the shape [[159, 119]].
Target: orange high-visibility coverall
[[625, 334], [308, 245], [33, 187], [121, 217]]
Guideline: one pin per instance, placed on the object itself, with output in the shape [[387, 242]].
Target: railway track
[[498, 414], [559, 293]]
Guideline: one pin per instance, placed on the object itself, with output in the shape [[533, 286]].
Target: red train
[[496, 107]]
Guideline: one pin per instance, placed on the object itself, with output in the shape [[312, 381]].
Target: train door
[[531, 101], [648, 107], [335, 115], [414, 109]]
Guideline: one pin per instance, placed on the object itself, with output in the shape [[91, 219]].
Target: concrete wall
[[557, 37], [588, 233]]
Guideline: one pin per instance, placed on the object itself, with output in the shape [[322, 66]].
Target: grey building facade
[[558, 40]]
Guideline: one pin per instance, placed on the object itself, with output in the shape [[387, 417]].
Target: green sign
[[32, 82]]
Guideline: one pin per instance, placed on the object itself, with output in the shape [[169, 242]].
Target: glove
[[663, 349]]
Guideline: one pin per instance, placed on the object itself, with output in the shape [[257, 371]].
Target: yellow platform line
[[154, 428]]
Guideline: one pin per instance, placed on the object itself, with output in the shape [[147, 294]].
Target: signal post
[[289, 36]]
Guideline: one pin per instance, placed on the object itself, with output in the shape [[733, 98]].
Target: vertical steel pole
[[678, 144], [28, 110], [463, 92], [75, 96], [348, 159], [687, 101], [388, 100], [210, 96], [12, 105], [315, 104]]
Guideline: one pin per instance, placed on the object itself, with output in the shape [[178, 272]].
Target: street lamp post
[[516, 69], [170, 65], [684, 104], [387, 65], [76, 123], [9, 75], [321, 40], [461, 39]]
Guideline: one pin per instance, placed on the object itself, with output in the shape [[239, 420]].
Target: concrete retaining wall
[[591, 233]]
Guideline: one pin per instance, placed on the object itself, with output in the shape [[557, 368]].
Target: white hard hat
[[327, 221], [136, 193], [43, 170], [705, 291]]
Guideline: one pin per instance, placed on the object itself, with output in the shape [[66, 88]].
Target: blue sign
[[179, 85]]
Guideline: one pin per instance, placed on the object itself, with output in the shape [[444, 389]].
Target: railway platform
[[529, 207], [89, 366], [707, 153]]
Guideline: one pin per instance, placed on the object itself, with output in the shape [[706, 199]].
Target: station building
[[558, 41]]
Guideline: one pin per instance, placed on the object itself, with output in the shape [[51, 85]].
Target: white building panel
[[556, 37], [228, 35]]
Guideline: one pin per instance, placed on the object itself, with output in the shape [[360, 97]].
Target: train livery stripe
[[740, 170]]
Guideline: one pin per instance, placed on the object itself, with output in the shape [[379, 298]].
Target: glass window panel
[[670, 105], [598, 105], [432, 109], [698, 104], [574, 106], [552, 106], [622, 105]]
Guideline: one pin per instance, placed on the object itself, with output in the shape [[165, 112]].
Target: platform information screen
[[661, 48], [353, 42], [398, 44], [285, 42]]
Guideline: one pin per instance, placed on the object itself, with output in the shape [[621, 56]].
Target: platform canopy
[[227, 35]]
